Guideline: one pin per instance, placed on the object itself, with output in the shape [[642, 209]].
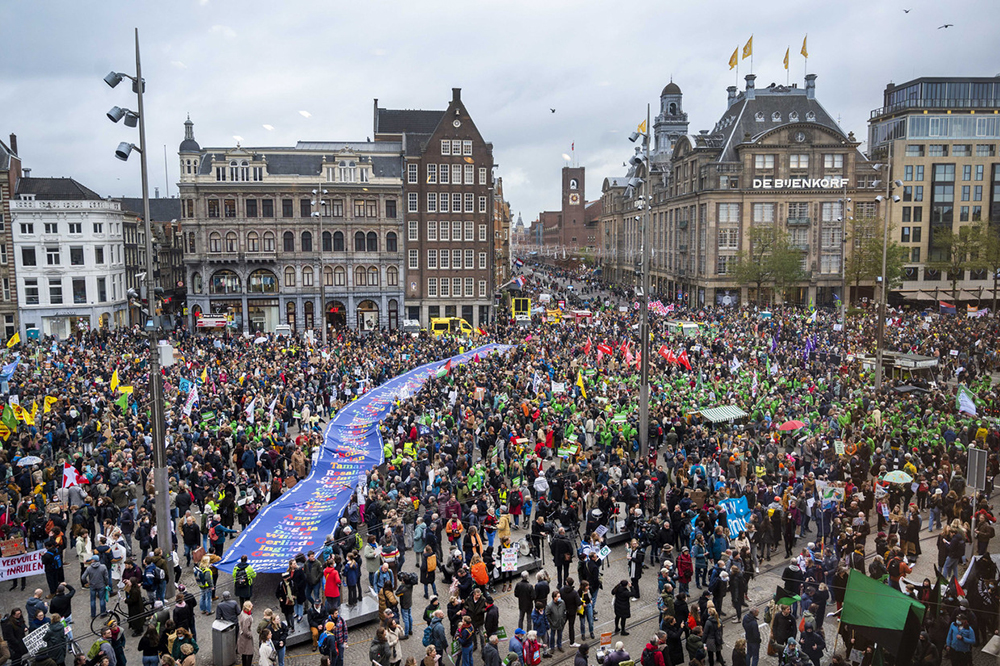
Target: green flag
[[123, 402], [8, 418]]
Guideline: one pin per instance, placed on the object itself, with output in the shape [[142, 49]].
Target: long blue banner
[[302, 518]]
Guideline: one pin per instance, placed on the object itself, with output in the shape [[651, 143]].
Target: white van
[[283, 331]]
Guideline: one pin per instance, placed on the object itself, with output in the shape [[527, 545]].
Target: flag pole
[[787, 71]]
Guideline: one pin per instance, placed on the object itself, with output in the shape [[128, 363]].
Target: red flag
[[638, 360], [604, 348], [600, 354], [664, 352], [628, 356], [682, 359], [447, 367], [671, 359], [71, 477], [624, 347], [958, 588], [587, 347]]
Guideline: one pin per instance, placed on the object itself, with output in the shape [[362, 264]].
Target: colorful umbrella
[[791, 425], [897, 476]]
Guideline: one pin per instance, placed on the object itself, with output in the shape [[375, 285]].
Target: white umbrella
[[28, 460], [259, 341]]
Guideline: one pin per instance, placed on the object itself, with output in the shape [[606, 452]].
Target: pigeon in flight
[[906, 11], [552, 110], [946, 25]]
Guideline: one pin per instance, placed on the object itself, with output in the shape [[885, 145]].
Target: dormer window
[[775, 117], [810, 115], [759, 117], [793, 116], [239, 171], [347, 171]]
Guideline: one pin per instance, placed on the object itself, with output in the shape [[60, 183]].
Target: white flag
[[270, 408], [71, 477], [249, 410], [191, 399]]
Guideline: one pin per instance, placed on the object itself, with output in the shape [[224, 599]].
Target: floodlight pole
[[644, 301]]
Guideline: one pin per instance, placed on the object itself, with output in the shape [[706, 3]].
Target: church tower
[[671, 123], [189, 152]]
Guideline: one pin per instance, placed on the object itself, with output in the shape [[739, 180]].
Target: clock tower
[[573, 207]]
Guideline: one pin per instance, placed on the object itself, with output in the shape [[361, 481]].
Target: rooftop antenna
[[166, 176]]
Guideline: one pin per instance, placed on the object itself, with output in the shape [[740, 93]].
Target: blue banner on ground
[[302, 518]]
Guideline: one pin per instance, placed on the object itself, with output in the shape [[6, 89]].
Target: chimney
[[810, 86], [375, 116], [456, 95], [27, 173], [751, 91], [731, 90], [13, 143]]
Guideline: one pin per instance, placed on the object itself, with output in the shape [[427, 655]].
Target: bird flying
[[552, 110], [906, 11], [946, 25]]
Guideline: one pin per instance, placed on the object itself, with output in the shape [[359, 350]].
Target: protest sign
[[19, 566], [508, 559], [12, 547]]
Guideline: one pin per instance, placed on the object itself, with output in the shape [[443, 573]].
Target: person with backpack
[[203, 576], [152, 576], [428, 570], [243, 579], [434, 633], [217, 533], [379, 653], [651, 654], [97, 578], [467, 640]]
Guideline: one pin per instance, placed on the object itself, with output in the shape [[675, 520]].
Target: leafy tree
[[955, 253], [988, 255], [771, 260], [864, 264]]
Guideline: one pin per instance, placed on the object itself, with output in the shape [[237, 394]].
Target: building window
[[213, 207], [51, 228], [307, 241], [392, 276], [371, 242], [456, 174], [412, 203], [456, 259], [268, 245], [307, 276], [456, 287], [328, 276], [359, 241], [482, 175], [833, 161], [76, 256], [391, 244], [31, 291], [445, 259], [445, 287], [390, 209], [470, 174], [482, 204], [412, 230], [55, 292], [327, 242], [253, 242], [432, 258], [470, 202], [723, 264], [444, 235], [27, 228], [373, 278], [229, 207], [482, 261], [444, 172], [830, 264], [470, 284], [432, 287], [288, 241], [729, 239], [52, 256], [75, 228], [796, 162], [937, 150], [961, 150], [413, 260], [287, 208], [763, 161], [432, 230], [411, 172], [267, 208], [468, 231], [915, 150], [432, 173], [456, 147], [904, 236], [98, 228], [79, 290], [470, 259], [915, 254], [467, 148], [28, 256], [6, 291], [215, 242], [763, 213], [445, 147], [359, 208], [339, 277], [359, 276], [251, 206], [338, 241], [289, 276], [482, 293], [979, 172], [432, 202]]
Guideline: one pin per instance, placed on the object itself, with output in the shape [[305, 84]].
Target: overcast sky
[[238, 66]]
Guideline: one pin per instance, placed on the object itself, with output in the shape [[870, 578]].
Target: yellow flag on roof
[[748, 48], [786, 57], [805, 51], [735, 58]]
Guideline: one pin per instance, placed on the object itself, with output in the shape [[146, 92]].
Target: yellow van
[[451, 326]]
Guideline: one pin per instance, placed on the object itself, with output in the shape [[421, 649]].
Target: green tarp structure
[[882, 615], [722, 414]]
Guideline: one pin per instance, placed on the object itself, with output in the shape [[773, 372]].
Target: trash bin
[[223, 643]]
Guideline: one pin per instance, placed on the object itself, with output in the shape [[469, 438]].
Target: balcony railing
[[224, 257], [936, 103], [798, 221], [262, 256]]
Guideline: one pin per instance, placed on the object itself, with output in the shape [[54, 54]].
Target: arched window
[[253, 242], [328, 276], [373, 277], [673, 109], [390, 242], [307, 276], [308, 309], [268, 241], [290, 314], [215, 242], [338, 241], [196, 285], [232, 242], [307, 241], [262, 281], [289, 276], [225, 282], [372, 241], [359, 276], [572, 183], [392, 276], [328, 241], [339, 277], [288, 241], [359, 241]]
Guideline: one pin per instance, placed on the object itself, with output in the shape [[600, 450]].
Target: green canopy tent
[[876, 614], [723, 414]]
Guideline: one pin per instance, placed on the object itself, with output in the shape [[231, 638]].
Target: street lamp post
[[880, 335], [642, 159], [162, 499], [318, 203]]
